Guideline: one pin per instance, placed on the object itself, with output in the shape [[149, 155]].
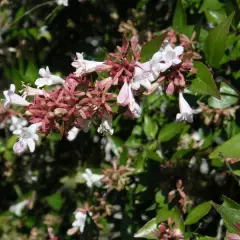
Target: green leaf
[[147, 230], [169, 131], [152, 47], [31, 73], [150, 127], [228, 97], [229, 149], [229, 215], [152, 155], [164, 214], [207, 238], [215, 44], [11, 141], [211, 4], [204, 83], [197, 213], [179, 18], [230, 203], [215, 16], [55, 201]]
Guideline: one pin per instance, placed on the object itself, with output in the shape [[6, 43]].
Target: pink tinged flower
[[27, 138], [47, 79], [233, 236], [80, 218], [186, 112], [170, 55], [17, 123], [72, 134], [85, 66], [123, 97], [92, 179], [170, 88], [12, 98], [134, 108]]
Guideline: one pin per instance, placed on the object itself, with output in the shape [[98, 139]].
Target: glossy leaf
[[197, 213], [230, 203], [215, 44], [229, 149], [204, 83], [152, 47], [228, 97], [150, 127], [147, 230], [55, 201], [179, 18], [229, 215], [170, 131]]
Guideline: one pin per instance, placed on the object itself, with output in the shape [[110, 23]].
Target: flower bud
[[162, 228], [28, 113], [60, 112]]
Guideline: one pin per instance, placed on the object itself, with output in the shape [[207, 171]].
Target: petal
[[7, 102], [19, 147], [33, 128], [18, 100], [135, 85], [12, 87], [72, 133], [123, 97], [40, 82], [183, 105], [31, 144], [42, 72], [35, 137], [79, 56], [179, 117], [17, 132], [189, 117], [179, 50], [176, 61], [146, 84], [56, 80], [156, 58]]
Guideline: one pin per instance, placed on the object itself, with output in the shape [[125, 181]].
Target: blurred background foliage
[[36, 34]]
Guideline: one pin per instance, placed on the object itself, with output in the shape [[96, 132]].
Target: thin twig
[[30, 11]]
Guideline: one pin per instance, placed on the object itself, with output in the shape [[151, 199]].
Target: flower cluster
[[83, 98]]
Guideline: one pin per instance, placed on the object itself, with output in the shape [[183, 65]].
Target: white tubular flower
[[135, 109], [72, 134], [170, 55], [62, 2], [80, 219], [17, 123], [47, 79], [143, 76], [27, 138], [106, 125], [125, 97], [29, 91], [84, 66], [92, 179], [12, 98], [186, 112], [17, 208]]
